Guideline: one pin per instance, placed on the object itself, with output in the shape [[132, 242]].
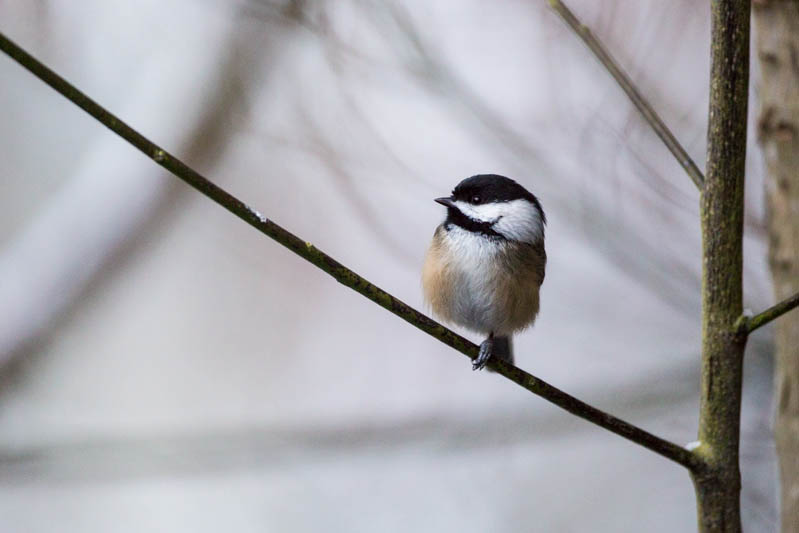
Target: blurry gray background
[[165, 367]]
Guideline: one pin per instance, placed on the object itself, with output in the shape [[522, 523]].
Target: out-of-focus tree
[[777, 25]]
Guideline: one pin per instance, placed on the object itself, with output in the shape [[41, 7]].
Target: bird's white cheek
[[518, 220], [523, 229]]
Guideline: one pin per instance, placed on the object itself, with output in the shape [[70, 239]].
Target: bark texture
[[721, 206], [777, 28]]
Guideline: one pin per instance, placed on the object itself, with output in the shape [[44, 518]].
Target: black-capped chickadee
[[486, 263]]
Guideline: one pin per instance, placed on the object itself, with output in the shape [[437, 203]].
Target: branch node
[[741, 326]]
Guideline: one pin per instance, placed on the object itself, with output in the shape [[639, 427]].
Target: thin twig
[[343, 274], [748, 325], [629, 87]]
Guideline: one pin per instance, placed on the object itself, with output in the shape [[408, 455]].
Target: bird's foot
[[484, 354]]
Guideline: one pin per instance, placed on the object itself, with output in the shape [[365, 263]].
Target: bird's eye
[[476, 199]]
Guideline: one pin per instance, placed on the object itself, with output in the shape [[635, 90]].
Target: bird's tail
[[503, 349]]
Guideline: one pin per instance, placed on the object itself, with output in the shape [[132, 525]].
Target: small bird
[[486, 264]]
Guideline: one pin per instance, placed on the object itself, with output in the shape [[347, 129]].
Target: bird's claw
[[486, 348]]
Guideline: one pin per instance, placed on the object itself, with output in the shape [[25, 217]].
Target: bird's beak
[[446, 201]]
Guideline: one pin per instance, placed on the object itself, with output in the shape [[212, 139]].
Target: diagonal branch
[[343, 274], [748, 325], [629, 87]]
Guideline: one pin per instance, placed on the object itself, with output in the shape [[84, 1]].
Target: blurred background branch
[[109, 200], [624, 81]]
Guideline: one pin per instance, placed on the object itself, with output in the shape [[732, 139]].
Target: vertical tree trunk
[[777, 24], [721, 206]]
